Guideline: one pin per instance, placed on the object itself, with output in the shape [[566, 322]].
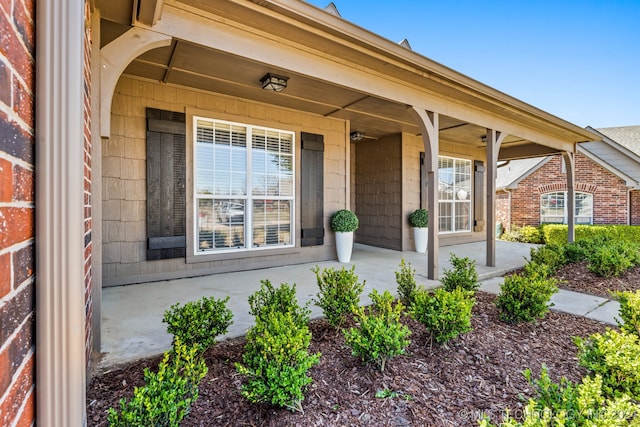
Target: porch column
[[569, 161], [60, 289], [494, 140], [428, 123]]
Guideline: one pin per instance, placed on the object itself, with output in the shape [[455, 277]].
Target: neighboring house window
[[454, 195], [244, 186], [553, 208]]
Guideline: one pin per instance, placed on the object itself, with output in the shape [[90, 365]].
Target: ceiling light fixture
[[356, 135], [274, 82]]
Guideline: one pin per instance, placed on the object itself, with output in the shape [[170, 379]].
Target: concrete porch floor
[[132, 315]]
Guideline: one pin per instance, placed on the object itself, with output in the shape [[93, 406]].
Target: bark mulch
[[432, 385], [579, 279]]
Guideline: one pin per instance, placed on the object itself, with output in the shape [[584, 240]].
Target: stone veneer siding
[[124, 178], [610, 195], [17, 203]]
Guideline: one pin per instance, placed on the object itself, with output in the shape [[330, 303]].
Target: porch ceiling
[[192, 65]]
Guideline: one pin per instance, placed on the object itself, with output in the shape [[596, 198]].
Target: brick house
[[185, 138], [533, 191]]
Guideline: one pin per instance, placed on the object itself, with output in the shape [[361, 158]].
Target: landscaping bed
[[432, 385], [579, 279]]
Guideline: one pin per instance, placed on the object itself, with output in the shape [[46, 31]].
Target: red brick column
[[635, 208], [17, 286]]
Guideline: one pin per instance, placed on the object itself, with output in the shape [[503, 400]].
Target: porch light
[[274, 82], [356, 135]]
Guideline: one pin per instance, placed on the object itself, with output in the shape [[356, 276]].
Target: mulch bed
[[479, 372], [579, 279]]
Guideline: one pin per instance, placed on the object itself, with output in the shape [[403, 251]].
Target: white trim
[[60, 290], [248, 198]]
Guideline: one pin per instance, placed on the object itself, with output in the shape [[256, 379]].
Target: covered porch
[[132, 325]]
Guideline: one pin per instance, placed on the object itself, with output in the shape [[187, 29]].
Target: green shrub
[[549, 255], [524, 234], [405, 278], [463, 275], [339, 293], [419, 218], [615, 356], [574, 252], [446, 314], [557, 233], [167, 395], [200, 322], [379, 335], [566, 404], [610, 260], [343, 221], [629, 311], [276, 361], [525, 297], [282, 299]]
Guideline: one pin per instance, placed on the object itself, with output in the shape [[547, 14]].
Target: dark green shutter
[[166, 184], [312, 191], [478, 195]]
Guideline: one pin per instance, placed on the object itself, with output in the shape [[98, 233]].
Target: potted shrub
[[419, 220], [344, 223]]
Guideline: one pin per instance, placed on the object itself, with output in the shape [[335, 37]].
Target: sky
[[578, 60]]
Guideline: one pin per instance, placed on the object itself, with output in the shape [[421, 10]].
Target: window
[[553, 208], [244, 186], [454, 194]]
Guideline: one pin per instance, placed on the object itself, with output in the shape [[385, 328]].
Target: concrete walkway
[[132, 315]]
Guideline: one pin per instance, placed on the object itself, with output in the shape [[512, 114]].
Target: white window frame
[[455, 201], [248, 197], [565, 208]]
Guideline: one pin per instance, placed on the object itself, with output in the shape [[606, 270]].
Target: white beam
[[494, 140], [428, 123], [116, 56]]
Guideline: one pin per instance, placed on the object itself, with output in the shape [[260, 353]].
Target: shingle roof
[[516, 170], [627, 136]]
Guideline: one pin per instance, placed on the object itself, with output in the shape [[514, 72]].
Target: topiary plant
[[629, 311], [419, 218], [344, 221]]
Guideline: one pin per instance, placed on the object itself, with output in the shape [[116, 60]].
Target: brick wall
[[87, 180], [17, 286], [635, 208], [610, 195], [503, 216]]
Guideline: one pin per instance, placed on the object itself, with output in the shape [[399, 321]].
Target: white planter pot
[[344, 245], [421, 238]]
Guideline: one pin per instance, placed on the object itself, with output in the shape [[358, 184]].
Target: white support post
[[494, 140], [428, 123], [569, 161], [60, 288]]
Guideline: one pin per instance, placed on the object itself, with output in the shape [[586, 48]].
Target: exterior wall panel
[[124, 179]]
